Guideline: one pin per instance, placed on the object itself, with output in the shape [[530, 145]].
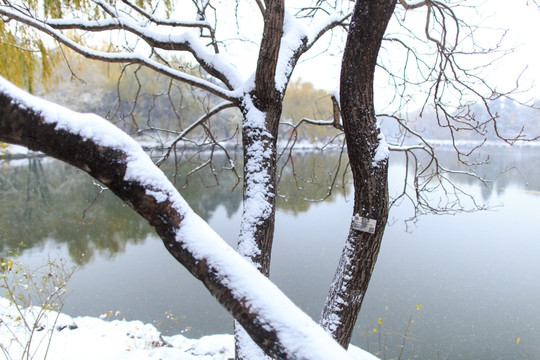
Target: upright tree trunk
[[260, 188], [262, 111], [369, 164]]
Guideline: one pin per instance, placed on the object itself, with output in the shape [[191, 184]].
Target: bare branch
[[198, 122], [261, 6], [408, 6]]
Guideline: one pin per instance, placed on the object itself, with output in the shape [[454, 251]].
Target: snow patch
[[294, 34], [159, 196], [254, 118], [92, 338], [89, 338], [382, 152]]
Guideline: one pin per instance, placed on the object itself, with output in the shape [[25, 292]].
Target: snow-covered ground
[[93, 338]]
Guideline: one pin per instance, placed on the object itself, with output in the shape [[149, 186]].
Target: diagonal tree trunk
[[368, 158], [97, 147]]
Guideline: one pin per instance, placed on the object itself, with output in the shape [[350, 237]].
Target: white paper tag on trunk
[[364, 224]]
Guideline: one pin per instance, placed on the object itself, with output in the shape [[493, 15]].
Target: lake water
[[460, 287]]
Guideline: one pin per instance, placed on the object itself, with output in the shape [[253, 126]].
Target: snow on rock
[[91, 338]]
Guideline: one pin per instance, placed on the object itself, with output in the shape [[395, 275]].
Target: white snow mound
[[92, 338]]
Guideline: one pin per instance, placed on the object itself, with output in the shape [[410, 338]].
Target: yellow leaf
[[518, 340], [374, 330], [419, 307], [379, 321]]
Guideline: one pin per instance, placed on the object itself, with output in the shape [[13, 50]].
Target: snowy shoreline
[[93, 338], [16, 152]]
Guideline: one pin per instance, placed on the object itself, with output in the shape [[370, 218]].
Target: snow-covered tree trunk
[[97, 147], [368, 156], [262, 111], [257, 225]]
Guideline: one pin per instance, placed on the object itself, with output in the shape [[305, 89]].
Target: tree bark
[[259, 138], [259, 202], [245, 293], [260, 188], [366, 149], [265, 74]]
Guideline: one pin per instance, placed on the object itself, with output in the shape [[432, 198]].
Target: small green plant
[[34, 299]]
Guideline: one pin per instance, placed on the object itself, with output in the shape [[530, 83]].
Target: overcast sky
[[523, 24]]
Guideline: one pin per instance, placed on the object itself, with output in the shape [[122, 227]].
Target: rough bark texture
[[260, 172], [265, 84], [367, 28], [259, 176], [268, 101]]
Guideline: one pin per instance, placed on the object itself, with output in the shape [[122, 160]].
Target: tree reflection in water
[[43, 199], [463, 269]]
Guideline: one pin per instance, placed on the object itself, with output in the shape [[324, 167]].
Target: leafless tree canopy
[[233, 64]]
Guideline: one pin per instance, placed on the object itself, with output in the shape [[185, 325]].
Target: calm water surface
[[460, 287]]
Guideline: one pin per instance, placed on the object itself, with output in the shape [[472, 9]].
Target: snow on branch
[[168, 39], [111, 156], [294, 38], [297, 40], [214, 64], [322, 27], [202, 24], [168, 22]]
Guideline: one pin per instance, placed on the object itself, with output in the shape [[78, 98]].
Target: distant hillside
[[141, 98]]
